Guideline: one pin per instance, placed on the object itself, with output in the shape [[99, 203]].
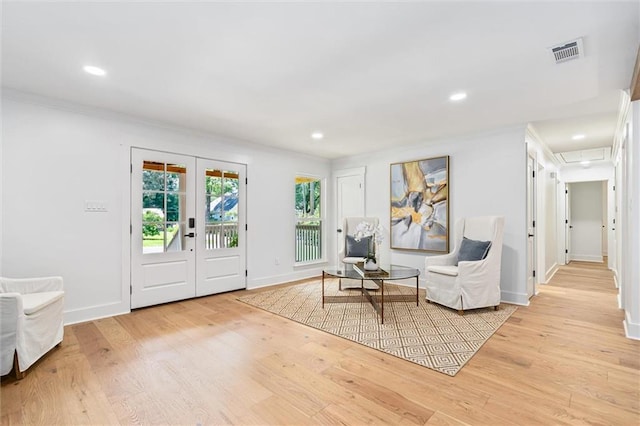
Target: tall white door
[[350, 199], [586, 221], [188, 225], [162, 250], [531, 230], [221, 227], [568, 228]]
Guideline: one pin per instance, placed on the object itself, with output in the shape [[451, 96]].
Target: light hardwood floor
[[214, 360]]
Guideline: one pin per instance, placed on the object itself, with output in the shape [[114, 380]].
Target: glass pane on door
[[163, 214], [221, 209]]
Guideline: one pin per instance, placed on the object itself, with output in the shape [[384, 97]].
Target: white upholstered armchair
[[31, 321], [469, 276], [349, 252], [352, 252]]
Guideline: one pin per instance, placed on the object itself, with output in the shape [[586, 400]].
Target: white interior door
[[221, 227], [162, 251], [531, 231], [586, 221], [567, 224], [605, 219], [350, 199]]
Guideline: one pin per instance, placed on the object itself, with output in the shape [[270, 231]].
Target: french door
[[187, 227], [221, 221]]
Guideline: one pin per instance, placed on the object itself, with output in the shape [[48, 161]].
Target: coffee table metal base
[[377, 301]]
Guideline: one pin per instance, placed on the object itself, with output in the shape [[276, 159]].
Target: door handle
[[339, 230], [190, 235], [531, 235]]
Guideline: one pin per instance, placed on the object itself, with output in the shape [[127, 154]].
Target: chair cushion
[[33, 302], [472, 250], [357, 248], [444, 270]]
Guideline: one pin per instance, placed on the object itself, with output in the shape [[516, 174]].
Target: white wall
[[56, 156], [586, 221], [598, 172], [1, 186], [548, 234], [630, 232], [550, 208], [487, 175]]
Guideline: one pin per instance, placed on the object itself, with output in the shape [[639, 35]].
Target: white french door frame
[[199, 288], [166, 273], [225, 268]]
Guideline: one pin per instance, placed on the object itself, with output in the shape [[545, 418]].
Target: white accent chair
[[468, 284], [349, 225], [31, 321]]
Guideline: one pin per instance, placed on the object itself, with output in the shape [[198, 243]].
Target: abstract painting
[[420, 205]]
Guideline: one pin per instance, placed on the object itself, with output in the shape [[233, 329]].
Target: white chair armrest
[[30, 285], [472, 267], [10, 302], [10, 307], [478, 272], [442, 260]]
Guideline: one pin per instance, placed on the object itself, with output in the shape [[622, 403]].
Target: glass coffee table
[[387, 273]]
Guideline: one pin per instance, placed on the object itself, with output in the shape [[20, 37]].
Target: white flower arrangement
[[367, 229]]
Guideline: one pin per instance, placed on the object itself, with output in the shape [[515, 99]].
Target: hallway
[[583, 292]]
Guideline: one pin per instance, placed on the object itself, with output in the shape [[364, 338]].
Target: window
[[163, 197], [221, 209], [309, 218]]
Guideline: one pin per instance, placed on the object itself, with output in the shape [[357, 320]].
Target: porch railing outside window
[[308, 242], [308, 199], [221, 236]]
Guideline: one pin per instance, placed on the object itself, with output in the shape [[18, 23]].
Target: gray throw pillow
[[471, 250], [357, 248]]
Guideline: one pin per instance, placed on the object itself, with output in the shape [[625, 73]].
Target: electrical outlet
[[277, 261]]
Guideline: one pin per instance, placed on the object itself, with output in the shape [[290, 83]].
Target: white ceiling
[[368, 75]]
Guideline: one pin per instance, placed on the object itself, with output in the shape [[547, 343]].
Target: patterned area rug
[[428, 334]]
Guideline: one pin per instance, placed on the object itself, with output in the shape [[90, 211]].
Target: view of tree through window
[[308, 196], [162, 197]]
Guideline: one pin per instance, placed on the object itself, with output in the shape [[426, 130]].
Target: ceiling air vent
[[567, 51]]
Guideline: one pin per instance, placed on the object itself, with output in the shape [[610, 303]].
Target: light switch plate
[[95, 206]]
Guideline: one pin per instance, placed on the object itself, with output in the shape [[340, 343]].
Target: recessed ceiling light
[[317, 136], [577, 137], [90, 69], [458, 96]]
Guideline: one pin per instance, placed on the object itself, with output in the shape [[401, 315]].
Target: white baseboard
[[587, 258], [514, 298], [313, 273], [631, 329], [551, 272], [96, 312], [284, 278]]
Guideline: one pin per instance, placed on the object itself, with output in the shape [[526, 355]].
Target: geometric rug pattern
[[429, 334]]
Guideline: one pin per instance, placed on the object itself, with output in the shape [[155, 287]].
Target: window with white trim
[[309, 217]]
